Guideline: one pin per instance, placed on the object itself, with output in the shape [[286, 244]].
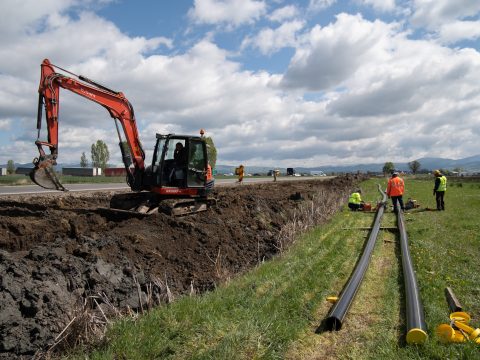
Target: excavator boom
[[116, 104]]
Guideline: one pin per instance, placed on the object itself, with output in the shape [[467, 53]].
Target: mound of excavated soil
[[58, 250]]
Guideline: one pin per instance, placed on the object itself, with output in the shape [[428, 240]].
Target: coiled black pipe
[[416, 327], [337, 313]]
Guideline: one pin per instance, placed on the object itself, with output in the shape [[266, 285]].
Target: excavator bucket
[[44, 175]]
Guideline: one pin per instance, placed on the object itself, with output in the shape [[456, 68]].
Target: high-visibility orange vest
[[209, 173], [395, 186]]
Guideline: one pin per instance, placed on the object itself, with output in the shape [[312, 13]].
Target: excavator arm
[[116, 104]]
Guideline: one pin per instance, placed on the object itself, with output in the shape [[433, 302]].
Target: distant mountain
[[468, 164], [17, 165], [58, 167]]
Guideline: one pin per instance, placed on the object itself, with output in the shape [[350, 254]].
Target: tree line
[[414, 167], [100, 153], [389, 167]]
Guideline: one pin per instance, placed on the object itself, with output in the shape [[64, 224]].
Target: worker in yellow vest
[[439, 189], [355, 201]]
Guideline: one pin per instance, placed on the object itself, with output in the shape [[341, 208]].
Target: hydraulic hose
[[416, 327], [337, 313]]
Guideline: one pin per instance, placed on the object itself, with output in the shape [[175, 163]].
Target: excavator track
[[186, 207], [142, 204]]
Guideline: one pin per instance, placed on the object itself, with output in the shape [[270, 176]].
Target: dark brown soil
[[58, 250]]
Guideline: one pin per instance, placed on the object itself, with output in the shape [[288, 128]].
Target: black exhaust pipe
[[336, 315]]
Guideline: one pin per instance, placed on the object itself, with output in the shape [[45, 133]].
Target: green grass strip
[[272, 311]]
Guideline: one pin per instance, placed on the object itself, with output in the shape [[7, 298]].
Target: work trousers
[[399, 200], [439, 197], [355, 207]]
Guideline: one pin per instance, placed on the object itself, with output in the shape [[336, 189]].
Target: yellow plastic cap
[[416, 336], [458, 337], [475, 334], [332, 299], [460, 316], [445, 333]]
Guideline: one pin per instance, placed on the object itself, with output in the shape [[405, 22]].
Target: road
[[36, 190]]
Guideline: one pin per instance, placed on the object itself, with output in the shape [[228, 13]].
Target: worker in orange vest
[[240, 172], [395, 189]]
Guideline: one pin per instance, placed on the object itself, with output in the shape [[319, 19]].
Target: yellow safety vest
[[355, 198], [443, 184]]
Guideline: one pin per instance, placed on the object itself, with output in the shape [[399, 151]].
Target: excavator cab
[[180, 162], [178, 180]]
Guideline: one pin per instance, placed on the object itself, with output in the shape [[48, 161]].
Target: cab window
[[196, 163]]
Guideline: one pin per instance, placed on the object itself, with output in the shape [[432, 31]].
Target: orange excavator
[[179, 175]]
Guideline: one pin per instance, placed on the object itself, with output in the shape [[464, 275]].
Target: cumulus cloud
[[318, 5], [380, 5], [284, 13], [331, 54], [447, 19], [5, 124], [459, 30], [74, 41], [432, 13], [29, 15], [230, 12], [356, 90], [387, 81], [271, 40]]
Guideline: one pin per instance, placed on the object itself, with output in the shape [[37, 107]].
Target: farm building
[[23, 170], [79, 171], [120, 171]]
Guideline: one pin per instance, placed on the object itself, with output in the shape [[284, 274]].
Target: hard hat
[[395, 172], [436, 172]]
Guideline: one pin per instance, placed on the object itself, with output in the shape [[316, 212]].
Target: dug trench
[[59, 253]]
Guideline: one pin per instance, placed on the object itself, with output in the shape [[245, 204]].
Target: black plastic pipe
[[416, 327], [339, 310]]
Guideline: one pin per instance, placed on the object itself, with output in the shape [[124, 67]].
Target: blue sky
[[274, 82]]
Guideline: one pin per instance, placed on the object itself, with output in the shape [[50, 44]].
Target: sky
[[273, 82]]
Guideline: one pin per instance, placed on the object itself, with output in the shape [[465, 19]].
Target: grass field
[[273, 311]]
